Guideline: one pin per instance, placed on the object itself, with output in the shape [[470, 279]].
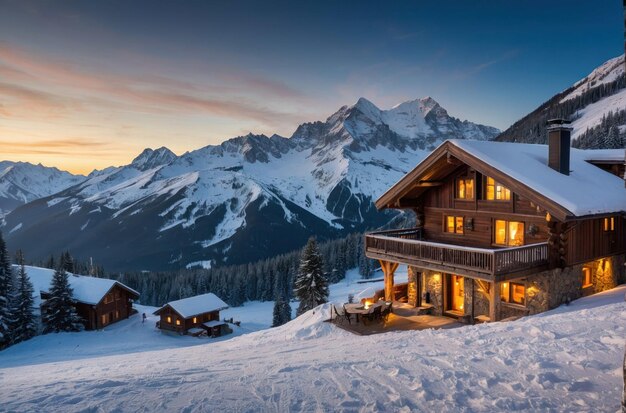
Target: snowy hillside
[[22, 182], [249, 198], [586, 103], [568, 359]]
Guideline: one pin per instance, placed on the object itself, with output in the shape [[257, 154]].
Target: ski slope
[[568, 359]]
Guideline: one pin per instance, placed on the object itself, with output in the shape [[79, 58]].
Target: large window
[[509, 233], [105, 319], [513, 293], [454, 224], [465, 188], [495, 191]]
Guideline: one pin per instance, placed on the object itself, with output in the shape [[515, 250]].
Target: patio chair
[[373, 314], [385, 312], [347, 315], [340, 317]]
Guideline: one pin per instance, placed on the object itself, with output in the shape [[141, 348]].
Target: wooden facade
[[171, 320], [115, 305], [476, 222]]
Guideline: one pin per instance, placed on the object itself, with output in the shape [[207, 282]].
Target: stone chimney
[[559, 137]]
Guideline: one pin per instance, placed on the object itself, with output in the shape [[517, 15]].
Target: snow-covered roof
[[199, 304], [605, 155], [587, 190], [88, 290]]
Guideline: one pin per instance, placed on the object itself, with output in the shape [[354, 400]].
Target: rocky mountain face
[[23, 182], [248, 198], [596, 105]]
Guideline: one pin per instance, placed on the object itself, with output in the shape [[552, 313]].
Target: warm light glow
[[169, 319], [496, 191], [195, 320], [177, 322], [367, 304], [548, 217]]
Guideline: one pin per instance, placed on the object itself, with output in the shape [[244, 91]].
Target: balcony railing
[[407, 246]]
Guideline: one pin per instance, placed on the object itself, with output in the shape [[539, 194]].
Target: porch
[[490, 264], [396, 322], [465, 283]]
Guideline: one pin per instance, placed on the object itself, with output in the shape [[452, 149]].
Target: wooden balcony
[[407, 247]]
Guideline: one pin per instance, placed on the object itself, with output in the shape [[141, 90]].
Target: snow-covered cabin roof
[[587, 190], [605, 155], [86, 289], [199, 304]]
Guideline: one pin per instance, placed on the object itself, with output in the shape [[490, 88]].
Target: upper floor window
[[454, 224], [513, 293], [609, 224], [465, 188], [509, 233], [108, 298], [495, 191]]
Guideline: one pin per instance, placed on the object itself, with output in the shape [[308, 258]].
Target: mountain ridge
[[245, 199]]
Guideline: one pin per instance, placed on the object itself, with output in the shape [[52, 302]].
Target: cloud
[[59, 88], [63, 146]]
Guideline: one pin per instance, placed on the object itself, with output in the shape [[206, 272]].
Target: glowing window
[[178, 321], [509, 233], [105, 319], [587, 277], [465, 188], [496, 191], [454, 224], [609, 224], [513, 293], [195, 320], [169, 319]]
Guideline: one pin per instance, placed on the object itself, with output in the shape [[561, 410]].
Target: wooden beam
[[389, 268], [494, 301]]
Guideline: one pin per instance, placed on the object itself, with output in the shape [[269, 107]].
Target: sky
[[89, 84]]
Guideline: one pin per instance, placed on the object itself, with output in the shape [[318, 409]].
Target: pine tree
[[613, 139], [310, 286], [6, 281], [59, 313], [23, 323], [282, 312]]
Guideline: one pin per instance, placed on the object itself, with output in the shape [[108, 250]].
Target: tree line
[[264, 280], [18, 318]]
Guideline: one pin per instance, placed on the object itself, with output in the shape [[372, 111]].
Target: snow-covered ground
[[568, 359]]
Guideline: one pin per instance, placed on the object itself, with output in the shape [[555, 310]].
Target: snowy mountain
[[594, 104], [22, 182], [248, 198]]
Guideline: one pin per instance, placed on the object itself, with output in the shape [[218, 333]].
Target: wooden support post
[[389, 268], [494, 301]]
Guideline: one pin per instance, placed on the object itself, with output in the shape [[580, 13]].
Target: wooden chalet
[[506, 229], [194, 315], [98, 301]]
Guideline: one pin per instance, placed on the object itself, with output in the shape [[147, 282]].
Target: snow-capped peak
[[609, 71], [151, 158]]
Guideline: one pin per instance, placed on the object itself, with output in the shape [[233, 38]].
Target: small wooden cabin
[[506, 229], [98, 301], [194, 315]]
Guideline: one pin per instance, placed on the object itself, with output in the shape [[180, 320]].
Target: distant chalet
[[506, 229], [98, 301], [194, 315]]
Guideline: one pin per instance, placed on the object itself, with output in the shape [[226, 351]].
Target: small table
[[359, 309]]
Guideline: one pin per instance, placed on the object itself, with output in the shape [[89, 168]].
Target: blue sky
[[88, 84]]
